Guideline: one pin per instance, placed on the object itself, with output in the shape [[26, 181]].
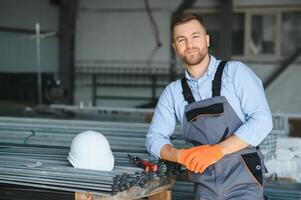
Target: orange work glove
[[184, 154], [197, 159]]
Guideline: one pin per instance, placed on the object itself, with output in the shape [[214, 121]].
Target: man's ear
[[208, 40], [174, 47]]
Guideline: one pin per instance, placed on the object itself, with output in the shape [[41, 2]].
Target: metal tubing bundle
[[60, 133], [25, 169], [49, 168], [34, 152]]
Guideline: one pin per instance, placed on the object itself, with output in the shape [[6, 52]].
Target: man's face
[[190, 42]]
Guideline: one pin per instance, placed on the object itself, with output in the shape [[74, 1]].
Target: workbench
[[155, 189], [159, 189]]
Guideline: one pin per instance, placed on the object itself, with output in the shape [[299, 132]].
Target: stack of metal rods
[[34, 152], [53, 133], [49, 168], [33, 122], [118, 141], [17, 192]]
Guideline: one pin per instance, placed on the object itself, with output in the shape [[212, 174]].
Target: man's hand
[[197, 159]]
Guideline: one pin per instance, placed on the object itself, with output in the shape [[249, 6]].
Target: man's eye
[[196, 36]]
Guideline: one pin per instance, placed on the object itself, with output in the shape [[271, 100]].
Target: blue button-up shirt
[[241, 87]]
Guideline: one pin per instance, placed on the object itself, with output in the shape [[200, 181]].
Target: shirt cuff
[[155, 150]]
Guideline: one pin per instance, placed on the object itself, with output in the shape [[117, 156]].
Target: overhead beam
[[21, 30]]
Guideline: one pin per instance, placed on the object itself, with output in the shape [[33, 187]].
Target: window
[[258, 34], [263, 34], [212, 22], [272, 34], [291, 32]]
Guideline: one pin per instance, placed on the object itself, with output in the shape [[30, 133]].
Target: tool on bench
[[148, 166]]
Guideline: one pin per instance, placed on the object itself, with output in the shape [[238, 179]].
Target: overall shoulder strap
[[186, 91], [217, 81]]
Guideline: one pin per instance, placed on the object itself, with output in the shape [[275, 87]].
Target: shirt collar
[[210, 70]]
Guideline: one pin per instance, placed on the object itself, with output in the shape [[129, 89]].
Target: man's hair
[[183, 18]]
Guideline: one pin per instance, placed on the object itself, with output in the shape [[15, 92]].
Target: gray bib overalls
[[237, 176]]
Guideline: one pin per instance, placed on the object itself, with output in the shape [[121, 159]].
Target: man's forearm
[[228, 146], [169, 152], [232, 144]]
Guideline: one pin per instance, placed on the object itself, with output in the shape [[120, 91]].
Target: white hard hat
[[91, 150]]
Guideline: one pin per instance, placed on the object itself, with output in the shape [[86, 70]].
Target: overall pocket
[[207, 124], [253, 165], [211, 110]]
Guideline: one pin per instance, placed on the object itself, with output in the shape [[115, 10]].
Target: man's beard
[[195, 58]]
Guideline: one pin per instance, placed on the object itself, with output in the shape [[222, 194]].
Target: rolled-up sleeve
[[162, 125], [254, 105]]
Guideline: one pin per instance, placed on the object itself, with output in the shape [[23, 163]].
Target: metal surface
[[34, 152], [38, 62]]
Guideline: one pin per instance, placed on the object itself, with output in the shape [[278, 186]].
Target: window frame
[[248, 12]]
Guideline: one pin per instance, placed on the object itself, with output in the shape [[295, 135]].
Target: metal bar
[[22, 30], [38, 62], [154, 87], [284, 65], [94, 89], [122, 97]]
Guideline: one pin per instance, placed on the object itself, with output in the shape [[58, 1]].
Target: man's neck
[[197, 71]]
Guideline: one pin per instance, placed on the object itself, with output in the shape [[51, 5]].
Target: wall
[[17, 50], [284, 95]]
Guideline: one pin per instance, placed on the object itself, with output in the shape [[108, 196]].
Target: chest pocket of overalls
[[207, 123]]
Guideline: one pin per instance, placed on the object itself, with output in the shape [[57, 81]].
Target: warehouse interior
[[68, 66]]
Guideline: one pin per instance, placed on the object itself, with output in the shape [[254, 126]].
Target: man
[[224, 114]]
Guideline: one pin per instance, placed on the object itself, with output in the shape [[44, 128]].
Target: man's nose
[[189, 43]]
